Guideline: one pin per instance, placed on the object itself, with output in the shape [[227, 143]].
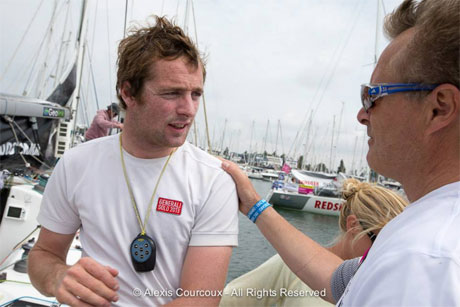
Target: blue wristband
[[257, 209]]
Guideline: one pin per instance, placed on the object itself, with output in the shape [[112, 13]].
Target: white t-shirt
[[415, 260], [87, 190]]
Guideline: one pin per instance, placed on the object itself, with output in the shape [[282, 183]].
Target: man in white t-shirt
[[412, 112], [157, 217]]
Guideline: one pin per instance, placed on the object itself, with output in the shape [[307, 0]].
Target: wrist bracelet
[[257, 209]]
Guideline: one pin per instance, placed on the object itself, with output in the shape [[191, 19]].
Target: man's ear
[[125, 92], [443, 105], [353, 224]]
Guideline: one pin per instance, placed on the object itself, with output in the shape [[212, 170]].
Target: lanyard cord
[[131, 195]]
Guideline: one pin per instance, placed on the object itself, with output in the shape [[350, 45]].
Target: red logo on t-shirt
[[169, 206]]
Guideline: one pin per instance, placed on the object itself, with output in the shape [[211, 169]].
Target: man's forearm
[[45, 270]]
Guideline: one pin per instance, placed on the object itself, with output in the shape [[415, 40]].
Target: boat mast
[[250, 143], [266, 135], [338, 133], [332, 145], [369, 170], [208, 138], [80, 59], [223, 137], [353, 161], [277, 134], [307, 141], [41, 80]]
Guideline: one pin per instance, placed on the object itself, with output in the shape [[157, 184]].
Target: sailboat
[[34, 134], [312, 192]]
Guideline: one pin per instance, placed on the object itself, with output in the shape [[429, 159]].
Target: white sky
[[267, 60]]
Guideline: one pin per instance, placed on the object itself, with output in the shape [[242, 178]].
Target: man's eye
[[196, 94], [170, 95]]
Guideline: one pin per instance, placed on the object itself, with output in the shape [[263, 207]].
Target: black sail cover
[[13, 141]]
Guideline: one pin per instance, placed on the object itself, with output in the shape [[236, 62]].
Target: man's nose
[[363, 117], [187, 105]]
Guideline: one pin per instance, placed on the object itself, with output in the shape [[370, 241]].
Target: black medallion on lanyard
[[143, 253], [143, 249]]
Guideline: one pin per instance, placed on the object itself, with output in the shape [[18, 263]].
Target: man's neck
[[431, 176], [142, 150]]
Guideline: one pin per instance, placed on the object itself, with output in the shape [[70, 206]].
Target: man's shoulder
[[428, 227], [200, 157], [92, 148]]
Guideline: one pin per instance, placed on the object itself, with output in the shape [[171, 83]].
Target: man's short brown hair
[[144, 46]]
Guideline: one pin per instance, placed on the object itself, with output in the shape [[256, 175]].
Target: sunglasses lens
[[365, 99]]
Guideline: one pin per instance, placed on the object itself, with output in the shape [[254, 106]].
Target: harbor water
[[253, 249]]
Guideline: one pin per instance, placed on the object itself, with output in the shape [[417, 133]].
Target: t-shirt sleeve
[[57, 213], [216, 223], [342, 276]]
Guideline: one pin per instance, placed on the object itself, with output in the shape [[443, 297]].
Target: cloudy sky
[[267, 60]]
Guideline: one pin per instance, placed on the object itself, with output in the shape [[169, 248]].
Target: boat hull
[[305, 202]]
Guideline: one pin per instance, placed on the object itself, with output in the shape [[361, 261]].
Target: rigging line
[[186, 16], [293, 145], [304, 122], [42, 81], [84, 110], [336, 141], [27, 164], [91, 71], [376, 33], [22, 131], [204, 100], [35, 58], [61, 45], [131, 12], [383, 7], [108, 51], [303, 133], [27, 137], [126, 17], [321, 83], [26, 237], [177, 9], [162, 7], [340, 55], [66, 43], [312, 142], [90, 52], [21, 41], [195, 137], [47, 79], [281, 137]]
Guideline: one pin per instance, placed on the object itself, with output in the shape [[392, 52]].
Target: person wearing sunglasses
[[366, 209], [411, 109]]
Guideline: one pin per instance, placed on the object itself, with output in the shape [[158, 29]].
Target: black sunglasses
[[372, 236]]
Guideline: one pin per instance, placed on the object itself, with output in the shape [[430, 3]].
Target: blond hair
[[373, 205]]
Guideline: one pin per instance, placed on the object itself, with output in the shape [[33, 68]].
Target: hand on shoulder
[[247, 195]]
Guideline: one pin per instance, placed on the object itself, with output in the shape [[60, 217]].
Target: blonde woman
[[366, 210]]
